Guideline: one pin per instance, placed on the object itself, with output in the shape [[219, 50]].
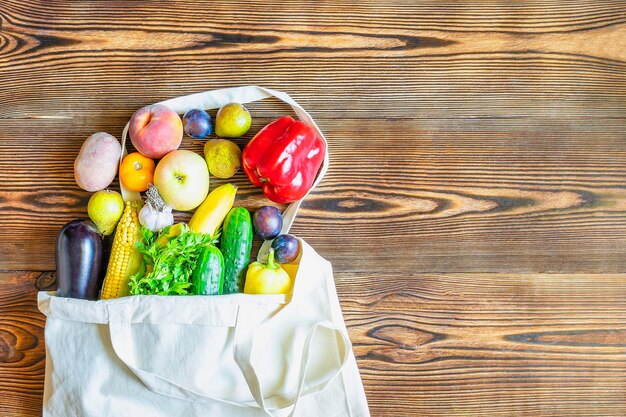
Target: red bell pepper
[[284, 158]]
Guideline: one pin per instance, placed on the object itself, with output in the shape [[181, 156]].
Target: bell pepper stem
[[271, 264]]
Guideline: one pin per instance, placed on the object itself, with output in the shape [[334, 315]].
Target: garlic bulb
[[155, 214]]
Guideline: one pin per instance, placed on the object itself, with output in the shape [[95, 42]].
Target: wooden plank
[[488, 344], [475, 147], [477, 195], [22, 351], [410, 59], [438, 344], [543, 107]]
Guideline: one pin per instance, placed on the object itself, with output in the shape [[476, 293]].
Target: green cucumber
[[208, 276], [236, 244]]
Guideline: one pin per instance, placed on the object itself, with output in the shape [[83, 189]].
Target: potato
[[96, 164]]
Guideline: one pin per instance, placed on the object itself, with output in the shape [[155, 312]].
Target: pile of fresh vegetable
[[151, 254]]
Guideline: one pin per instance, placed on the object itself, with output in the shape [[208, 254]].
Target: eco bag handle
[[217, 98], [120, 331]]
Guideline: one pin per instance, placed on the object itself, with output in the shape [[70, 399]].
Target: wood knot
[[46, 281], [8, 353], [404, 337]]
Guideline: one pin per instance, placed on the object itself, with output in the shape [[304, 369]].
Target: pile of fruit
[[151, 254]]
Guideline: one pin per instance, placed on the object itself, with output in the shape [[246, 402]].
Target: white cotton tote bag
[[236, 355]]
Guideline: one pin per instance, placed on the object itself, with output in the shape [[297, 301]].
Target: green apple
[[182, 178]]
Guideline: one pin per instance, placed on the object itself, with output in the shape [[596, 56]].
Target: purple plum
[[286, 249], [197, 123], [267, 222]]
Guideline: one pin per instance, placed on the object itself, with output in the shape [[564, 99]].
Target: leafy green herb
[[168, 262]]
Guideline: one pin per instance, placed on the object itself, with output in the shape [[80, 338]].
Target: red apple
[[155, 130]]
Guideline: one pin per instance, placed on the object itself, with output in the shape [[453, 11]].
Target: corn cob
[[125, 258]]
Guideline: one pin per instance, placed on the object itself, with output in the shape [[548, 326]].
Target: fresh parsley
[[168, 261]]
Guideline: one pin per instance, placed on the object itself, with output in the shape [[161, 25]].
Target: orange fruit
[[136, 172]]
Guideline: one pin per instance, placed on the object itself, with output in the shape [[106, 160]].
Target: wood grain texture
[[460, 197], [489, 344], [474, 212], [22, 351]]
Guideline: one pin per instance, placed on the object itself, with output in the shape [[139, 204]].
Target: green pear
[[232, 120], [105, 209]]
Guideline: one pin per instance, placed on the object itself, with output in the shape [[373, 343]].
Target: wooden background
[[475, 209]]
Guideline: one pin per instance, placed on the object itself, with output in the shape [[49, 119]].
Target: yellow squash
[[209, 216]]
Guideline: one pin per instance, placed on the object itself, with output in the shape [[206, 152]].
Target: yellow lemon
[[223, 157]]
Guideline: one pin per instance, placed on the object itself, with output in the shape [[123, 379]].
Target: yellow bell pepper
[[292, 269], [175, 230], [268, 278]]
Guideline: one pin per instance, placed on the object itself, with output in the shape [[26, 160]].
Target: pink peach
[[155, 130]]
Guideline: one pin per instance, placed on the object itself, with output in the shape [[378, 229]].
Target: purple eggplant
[[78, 257]]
